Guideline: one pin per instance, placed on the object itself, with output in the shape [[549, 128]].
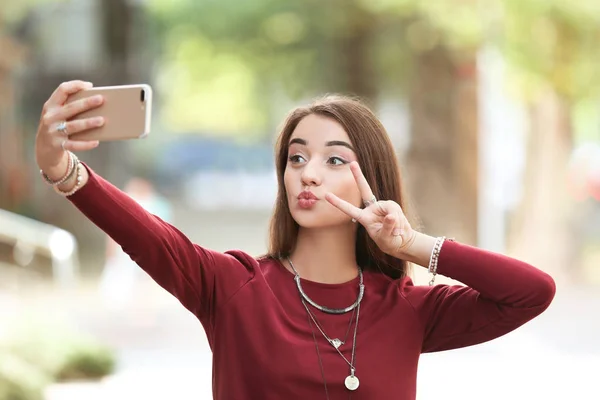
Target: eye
[[296, 159], [336, 161]]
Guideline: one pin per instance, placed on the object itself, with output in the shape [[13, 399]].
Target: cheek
[[347, 189], [287, 181]]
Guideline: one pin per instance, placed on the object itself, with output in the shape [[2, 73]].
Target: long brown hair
[[379, 164]]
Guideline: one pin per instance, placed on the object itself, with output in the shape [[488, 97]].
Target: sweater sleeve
[[201, 279], [501, 294]]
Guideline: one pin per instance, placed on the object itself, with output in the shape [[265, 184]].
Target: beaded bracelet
[[433, 259], [77, 182], [68, 175]]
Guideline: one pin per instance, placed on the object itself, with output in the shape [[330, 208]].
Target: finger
[[77, 107], [363, 186], [82, 125], [399, 229], [344, 206], [76, 146], [385, 207], [389, 223], [64, 90], [60, 114]]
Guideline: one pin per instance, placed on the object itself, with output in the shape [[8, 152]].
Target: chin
[[316, 220]]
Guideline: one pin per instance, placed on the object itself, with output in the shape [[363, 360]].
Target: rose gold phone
[[126, 110]]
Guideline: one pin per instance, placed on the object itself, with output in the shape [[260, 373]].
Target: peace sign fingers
[[345, 207], [383, 220], [363, 186], [366, 194]]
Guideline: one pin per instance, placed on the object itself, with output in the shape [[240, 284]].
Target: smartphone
[[127, 112]]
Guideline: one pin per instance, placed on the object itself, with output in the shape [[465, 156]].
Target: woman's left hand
[[383, 220]]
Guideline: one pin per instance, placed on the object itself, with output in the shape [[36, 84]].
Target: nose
[[310, 174]]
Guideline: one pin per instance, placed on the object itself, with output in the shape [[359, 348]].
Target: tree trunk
[[353, 68], [542, 232], [355, 59], [442, 159], [117, 29]]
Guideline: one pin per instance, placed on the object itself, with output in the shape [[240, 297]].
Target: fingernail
[[96, 99], [397, 232], [98, 121]]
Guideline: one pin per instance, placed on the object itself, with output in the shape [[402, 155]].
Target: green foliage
[[554, 43], [36, 353], [222, 61], [239, 56], [59, 352], [13, 11], [86, 362], [458, 24], [20, 380], [225, 63]]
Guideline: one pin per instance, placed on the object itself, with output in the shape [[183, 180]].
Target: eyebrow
[[328, 144]]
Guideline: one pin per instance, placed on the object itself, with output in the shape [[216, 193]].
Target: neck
[[326, 255]]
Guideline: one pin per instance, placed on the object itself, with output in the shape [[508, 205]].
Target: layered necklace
[[351, 382]]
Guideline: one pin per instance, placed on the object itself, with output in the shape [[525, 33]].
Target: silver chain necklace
[[361, 292], [351, 382], [335, 342]]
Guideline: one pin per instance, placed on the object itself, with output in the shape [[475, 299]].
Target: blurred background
[[493, 106]]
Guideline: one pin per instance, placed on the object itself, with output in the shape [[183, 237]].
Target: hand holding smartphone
[[126, 110]]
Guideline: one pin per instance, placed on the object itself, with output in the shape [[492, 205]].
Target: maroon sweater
[[258, 330]]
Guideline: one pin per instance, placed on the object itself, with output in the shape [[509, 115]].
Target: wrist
[[418, 251], [74, 184], [56, 172]]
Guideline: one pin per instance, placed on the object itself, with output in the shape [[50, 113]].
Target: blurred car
[[217, 173]]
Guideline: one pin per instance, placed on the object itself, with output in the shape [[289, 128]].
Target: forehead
[[317, 130]]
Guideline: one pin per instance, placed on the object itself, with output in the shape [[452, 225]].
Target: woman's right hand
[[51, 144]]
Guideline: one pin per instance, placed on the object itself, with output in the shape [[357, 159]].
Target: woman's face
[[318, 162]]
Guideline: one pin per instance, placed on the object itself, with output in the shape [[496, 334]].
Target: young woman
[[330, 312]]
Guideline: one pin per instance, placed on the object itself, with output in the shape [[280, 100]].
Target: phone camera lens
[[142, 95]]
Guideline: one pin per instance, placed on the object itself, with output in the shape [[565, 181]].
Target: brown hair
[[379, 164]]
